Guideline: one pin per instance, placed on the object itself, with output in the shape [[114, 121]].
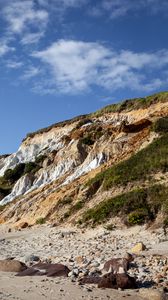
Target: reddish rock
[[115, 281]]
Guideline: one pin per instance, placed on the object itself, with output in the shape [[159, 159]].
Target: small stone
[[138, 248]]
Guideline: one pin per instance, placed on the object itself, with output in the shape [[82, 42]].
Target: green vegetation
[[165, 222], [149, 160], [40, 221], [131, 104], [83, 122], [39, 159], [161, 125], [74, 208], [31, 167], [12, 175], [138, 217], [87, 140], [135, 207]]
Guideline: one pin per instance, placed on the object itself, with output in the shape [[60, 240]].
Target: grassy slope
[[140, 166], [136, 206]]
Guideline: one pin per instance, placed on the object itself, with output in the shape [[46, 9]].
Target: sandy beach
[[81, 251]]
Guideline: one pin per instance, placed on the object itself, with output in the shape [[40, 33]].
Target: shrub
[[40, 221], [161, 125], [66, 200], [39, 159], [83, 122], [138, 217], [87, 140], [31, 167], [13, 175]]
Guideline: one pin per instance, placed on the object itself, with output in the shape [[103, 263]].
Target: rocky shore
[[84, 252]]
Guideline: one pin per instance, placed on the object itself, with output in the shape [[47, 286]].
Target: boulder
[[138, 248], [115, 281], [151, 294], [50, 270], [8, 265]]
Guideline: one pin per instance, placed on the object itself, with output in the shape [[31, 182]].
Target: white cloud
[[75, 66], [22, 15]]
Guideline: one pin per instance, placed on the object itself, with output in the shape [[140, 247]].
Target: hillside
[[93, 169]]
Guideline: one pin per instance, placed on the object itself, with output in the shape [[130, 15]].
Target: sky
[[62, 58]]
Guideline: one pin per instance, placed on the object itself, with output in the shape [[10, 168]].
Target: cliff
[[69, 171]]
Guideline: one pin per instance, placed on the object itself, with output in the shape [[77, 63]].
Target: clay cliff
[[99, 168]]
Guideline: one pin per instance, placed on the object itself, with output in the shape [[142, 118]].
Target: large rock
[[151, 294], [12, 266], [50, 270], [138, 248], [115, 281]]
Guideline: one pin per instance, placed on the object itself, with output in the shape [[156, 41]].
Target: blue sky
[[61, 58]]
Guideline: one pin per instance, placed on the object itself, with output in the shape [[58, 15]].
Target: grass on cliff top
[[131, 104], [135, 207], [118, 107], [152, 159]]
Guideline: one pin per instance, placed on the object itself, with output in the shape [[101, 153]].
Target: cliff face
[[55, 163]]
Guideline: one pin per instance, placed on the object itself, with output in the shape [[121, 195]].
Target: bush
[[40, 221], [39, 159], [138, 217], [13, 175], [83, 122], [161, 125], [87, 140], [66, 200], [31, 167]]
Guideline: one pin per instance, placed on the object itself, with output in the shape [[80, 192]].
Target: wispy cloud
[[11, 64], [5, 48], [30, 73], [32, 38], [76, 66], [119, 8]]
